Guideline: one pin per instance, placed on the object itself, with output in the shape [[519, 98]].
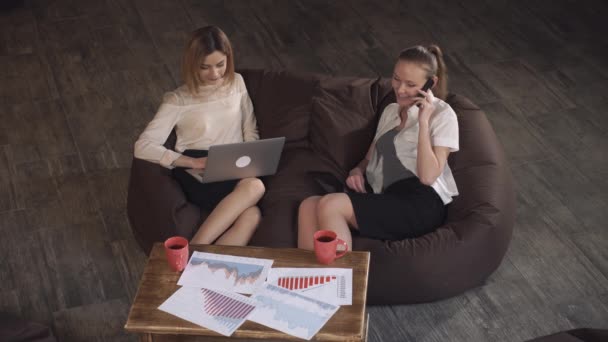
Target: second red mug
[[326, 246]]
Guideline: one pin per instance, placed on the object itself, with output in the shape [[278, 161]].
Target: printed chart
[[332, 285], [225, 272], [290, 312], [222, 312]]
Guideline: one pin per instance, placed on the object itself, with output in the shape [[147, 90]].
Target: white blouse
[[217, 114], [444, 132]]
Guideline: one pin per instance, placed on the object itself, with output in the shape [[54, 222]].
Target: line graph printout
[[332, 285], [220, 311], [290, 312], [225, 272]]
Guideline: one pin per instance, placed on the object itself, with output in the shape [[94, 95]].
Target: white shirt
[[444, 132], [217, 114]]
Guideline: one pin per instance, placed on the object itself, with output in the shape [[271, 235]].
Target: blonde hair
[[430, 59], [203, 42]]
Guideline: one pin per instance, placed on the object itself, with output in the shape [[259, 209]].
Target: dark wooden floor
[[80, 79]]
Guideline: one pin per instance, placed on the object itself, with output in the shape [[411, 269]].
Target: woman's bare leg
[[307, 222], [243, 228], [246, 194], [336, 213]]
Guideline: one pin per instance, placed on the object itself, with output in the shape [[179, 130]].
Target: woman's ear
[[435, 79]]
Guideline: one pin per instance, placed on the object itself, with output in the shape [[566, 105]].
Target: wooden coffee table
[[159, 282]]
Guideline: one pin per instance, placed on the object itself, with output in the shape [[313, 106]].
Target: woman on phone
[[406, 164], [212, 107]]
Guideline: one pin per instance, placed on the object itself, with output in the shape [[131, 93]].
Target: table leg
[[366, 327], [145, 338]]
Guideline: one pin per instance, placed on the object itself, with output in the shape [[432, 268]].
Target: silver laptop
[[241, 160]]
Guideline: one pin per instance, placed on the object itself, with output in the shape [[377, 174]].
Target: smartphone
[[429, 83]]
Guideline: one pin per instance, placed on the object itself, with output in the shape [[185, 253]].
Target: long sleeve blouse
[[215, 115]]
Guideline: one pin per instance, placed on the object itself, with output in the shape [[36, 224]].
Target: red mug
[[326, 246], [176, 249]]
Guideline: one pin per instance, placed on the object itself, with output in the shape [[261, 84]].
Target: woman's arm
[[368, 156], [189, 162], [434, 143], [355, 179], [431, 159], [149, 145]]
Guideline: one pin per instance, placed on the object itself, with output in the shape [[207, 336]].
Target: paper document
[[225, 272], [332, 285], [290, 312], [220, 311]]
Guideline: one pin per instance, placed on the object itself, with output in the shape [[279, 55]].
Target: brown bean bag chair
[[329, 123]]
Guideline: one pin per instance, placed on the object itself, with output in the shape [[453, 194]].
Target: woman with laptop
[[211, 108], [406, 164]]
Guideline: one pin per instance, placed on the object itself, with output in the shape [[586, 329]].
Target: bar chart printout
[[225, 272], [220, 311], [332, 285], [290, 312]]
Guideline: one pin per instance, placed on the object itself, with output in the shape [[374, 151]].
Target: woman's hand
[[426, 105], [198, 163], [355, 180]]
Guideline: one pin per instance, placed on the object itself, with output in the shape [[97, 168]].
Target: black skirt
[[205, 196], [406, 209]]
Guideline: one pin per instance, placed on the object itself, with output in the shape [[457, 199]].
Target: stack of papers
[[296, 301]]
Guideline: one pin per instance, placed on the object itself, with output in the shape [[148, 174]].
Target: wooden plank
[[519, 140], [585, 311], [453, 319], [73, 59], [19, 35], [330, 38], [77, 200], [590, 103], [26, 78], [512, 311], [570, 23], [130, 261], [95, 322], [117, 225], [382, 325], [507, 79], [169, 27], [578, 140], [110, 187], [464, 81], [50, 215], [594, 246], [88, 116], [126, 46], [254, 41], [390, 36], [9, 301], [41, 126], [535, 197], [26, 268], [10, 224], [33, 184], [583, 198], [8, 200], [571, 277], [83, 273]]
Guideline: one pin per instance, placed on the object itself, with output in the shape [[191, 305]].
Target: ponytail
[[441, 90]]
